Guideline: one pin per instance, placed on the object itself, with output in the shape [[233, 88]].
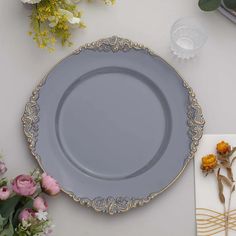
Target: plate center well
[[113, 123]]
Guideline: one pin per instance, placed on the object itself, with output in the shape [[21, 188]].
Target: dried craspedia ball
[[209, 163], [223, 148]]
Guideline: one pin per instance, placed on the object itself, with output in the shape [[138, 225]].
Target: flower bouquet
[[53, 20], [23, 210]]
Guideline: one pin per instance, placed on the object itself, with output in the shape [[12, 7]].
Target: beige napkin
[[210, 216]]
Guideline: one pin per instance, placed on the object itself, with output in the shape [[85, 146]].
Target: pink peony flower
[[40, 204], [24, 185], [49, 185], [26, 214], [3, 168], [4, 193]]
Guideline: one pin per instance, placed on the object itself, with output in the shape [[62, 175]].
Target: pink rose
[[3, 168], [26, 214], [49, 185], [4, 193], [24, 185], [40, 204]]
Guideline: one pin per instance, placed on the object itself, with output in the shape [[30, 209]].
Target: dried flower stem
[[226, 221], [229, 206], [217, 173]]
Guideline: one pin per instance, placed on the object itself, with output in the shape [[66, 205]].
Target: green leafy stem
[[211, 5]]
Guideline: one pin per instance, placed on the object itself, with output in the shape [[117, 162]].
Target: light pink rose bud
[[26, 214], [40, 204], [49, 185], [24, 185], [3, 168], [4, 193]]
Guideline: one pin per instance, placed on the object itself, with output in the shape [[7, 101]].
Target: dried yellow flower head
[[223, 148], [209, 163]]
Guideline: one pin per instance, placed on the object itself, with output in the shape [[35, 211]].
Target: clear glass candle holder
[[187, 37]]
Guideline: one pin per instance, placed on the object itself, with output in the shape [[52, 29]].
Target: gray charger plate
[[114, 124]]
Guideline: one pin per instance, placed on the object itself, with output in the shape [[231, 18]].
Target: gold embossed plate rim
[[111, 205]]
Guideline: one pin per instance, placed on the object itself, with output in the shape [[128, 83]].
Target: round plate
[[114, 124]]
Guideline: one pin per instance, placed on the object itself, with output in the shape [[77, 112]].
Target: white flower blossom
[[31, 1], [42, 215], [53, 21], [108, 2], [70, 17], [72, 1], [26, 224]]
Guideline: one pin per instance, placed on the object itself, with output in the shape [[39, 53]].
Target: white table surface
[[211, 75]]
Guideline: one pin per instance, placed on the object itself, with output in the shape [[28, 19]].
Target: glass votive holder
[[187, 37]]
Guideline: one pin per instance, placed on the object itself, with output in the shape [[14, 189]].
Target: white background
[[211, 74]]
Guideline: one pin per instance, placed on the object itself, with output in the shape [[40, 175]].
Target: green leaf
[[7, 207], [8, 230], [28, 204], [3, 182], [231, 4], [209, 5], [2, 223]]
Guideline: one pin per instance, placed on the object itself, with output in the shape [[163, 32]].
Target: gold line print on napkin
[[210, 222]]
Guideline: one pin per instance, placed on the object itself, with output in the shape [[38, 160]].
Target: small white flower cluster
[[37, 1], [46, 227], [54, 20], [108, 2], [31, 1], [42, 215], [69, 16]]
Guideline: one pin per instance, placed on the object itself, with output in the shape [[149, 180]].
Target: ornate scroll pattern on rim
[[113, 44], [113, 205], [196, 121], [30, 121]]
